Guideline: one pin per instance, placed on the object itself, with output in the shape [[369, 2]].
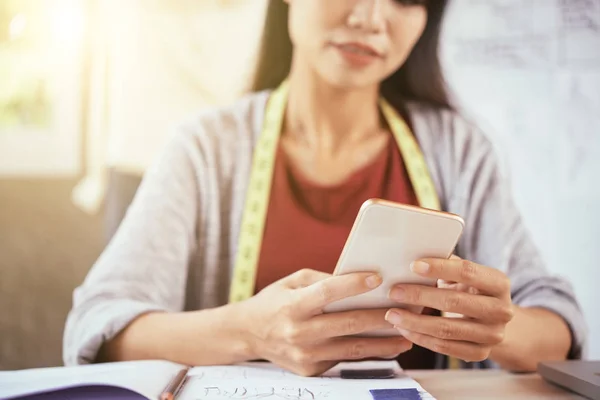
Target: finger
[[488, 280], [460, 287], [345, 323], [308, 369], [445, 328], [304, 278], [334, 288], [349, 348], [483, 308], [466, 351]]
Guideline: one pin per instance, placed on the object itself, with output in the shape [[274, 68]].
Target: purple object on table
[[395, 394]]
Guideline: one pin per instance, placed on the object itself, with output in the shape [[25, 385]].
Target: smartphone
[[386, 238]]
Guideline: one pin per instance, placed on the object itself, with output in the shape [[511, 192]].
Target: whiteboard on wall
[[528, 73]]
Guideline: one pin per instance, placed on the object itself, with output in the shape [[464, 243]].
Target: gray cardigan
[[175, 248]]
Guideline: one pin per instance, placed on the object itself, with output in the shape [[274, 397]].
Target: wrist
[[204, 337], [506, 354], [524, 346], [239, 326]]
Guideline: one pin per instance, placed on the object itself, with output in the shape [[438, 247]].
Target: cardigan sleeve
[[496, 236], [144, 268]]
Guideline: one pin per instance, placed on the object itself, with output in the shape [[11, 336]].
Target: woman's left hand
[[480, 295]]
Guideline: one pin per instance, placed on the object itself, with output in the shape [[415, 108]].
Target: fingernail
[[420, 267], [373, 281], [393, 318], [397, 294]]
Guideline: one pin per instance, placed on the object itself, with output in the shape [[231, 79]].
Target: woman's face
[[355, 43]]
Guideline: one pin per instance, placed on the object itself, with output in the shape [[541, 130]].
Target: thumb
[[304, 278]]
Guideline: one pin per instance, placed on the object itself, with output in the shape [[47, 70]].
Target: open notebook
[[141, 380]]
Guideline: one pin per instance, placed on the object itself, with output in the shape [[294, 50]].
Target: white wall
[[169, 60], [529, 74], [157, 63]]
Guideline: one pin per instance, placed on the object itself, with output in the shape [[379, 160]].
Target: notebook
[[141, 380]]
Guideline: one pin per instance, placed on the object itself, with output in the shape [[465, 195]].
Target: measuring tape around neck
[[261, 175]]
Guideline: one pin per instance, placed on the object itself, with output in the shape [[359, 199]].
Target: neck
[[326, 116]]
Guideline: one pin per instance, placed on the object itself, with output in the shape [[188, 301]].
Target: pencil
[[173, 386]]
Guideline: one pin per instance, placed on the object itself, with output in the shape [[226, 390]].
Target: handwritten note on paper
[[541, 34], [341, 392], [265, 381], [233, 391], [501, 33], [580, 32]]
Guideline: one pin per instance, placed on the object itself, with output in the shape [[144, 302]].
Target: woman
[[160, 290]]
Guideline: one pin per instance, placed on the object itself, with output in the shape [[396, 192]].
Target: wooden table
[[487, 385]]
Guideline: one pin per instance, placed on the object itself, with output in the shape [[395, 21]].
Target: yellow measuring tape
[[261, 176]]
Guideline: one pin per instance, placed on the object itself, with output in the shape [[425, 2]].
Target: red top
[[307, 224]]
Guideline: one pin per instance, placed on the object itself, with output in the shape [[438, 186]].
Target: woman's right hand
[[287, 326]]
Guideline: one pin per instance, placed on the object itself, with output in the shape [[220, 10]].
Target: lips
[[358, 55], [359, 48]]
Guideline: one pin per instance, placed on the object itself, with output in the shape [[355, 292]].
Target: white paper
[[244, 381], [580, 20], [265, 381]]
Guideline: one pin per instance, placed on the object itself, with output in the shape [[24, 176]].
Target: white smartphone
[[386, 238]]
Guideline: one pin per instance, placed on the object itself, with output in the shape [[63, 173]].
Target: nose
[[367, 15]]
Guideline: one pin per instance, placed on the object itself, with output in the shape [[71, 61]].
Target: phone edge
[[377, 201]]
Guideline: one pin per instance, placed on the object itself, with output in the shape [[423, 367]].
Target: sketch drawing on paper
[[539, 34], [579, 33], [265, 392], [503, 33], [247, 382]]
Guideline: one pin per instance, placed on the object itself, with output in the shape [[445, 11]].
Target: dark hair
[[419, 79]]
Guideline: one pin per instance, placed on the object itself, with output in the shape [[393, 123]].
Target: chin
[[350, 79], [341, 74]]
